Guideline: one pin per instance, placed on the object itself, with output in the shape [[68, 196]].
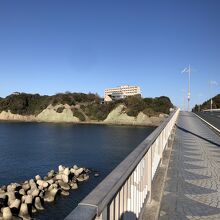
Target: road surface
[[212, 117], [192, 187]]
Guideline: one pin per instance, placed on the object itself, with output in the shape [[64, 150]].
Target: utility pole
[[212, 82], [188, 70], [189, 89], [184, 99]]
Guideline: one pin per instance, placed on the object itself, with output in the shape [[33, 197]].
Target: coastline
[[81, 122]]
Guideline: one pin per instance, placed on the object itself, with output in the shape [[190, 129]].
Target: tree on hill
[[207, 104], [90, 104]]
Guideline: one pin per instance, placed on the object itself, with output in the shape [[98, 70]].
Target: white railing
[[122, 194]]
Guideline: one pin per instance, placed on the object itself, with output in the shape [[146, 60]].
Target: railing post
[[161, 143], [121, 202], [149, 173], [125, 197], [103, 216]]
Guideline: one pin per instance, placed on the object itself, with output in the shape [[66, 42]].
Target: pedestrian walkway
[[192, 187]]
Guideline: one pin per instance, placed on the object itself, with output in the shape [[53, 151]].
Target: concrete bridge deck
[[192, 187]]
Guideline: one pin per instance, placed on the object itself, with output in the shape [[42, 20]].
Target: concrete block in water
[[37, 203], [77, 172], [7, 215], [50, 195], [73, 185], [61, 168], [22, 192], [51, 181], [64, 185], [65, 178], [24, 212], [64, 193], [37, 177], [42, 183], [82, 177], [11, 197], [15, 206], [66, 171], [51, 174], [28, 199], [26, 186], [35, 192]]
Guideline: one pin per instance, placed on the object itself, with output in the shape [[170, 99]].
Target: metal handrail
[[96, 203]]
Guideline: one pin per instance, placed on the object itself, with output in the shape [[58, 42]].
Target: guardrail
[[122, 194], [212, 110]]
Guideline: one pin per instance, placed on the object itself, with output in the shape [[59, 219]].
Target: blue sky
[[85, 46]]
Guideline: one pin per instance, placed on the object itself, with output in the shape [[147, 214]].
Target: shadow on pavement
[[187, 131]]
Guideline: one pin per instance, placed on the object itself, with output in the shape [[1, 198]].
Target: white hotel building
[[121, 92]]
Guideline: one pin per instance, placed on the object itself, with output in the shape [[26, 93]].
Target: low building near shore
[[121, 92], [16, 93]]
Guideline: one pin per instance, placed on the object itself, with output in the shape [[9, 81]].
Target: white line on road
[[208, 123]]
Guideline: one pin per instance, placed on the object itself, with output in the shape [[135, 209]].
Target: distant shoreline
[[81, 123], [116, 117]]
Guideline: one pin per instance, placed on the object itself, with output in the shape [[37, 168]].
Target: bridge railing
[[122, 194]]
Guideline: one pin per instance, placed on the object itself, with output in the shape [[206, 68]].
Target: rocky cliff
[[119, 116], [51, 114], [84, 108]]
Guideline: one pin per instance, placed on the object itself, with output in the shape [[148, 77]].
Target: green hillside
[[89, 105], [206, 104]]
